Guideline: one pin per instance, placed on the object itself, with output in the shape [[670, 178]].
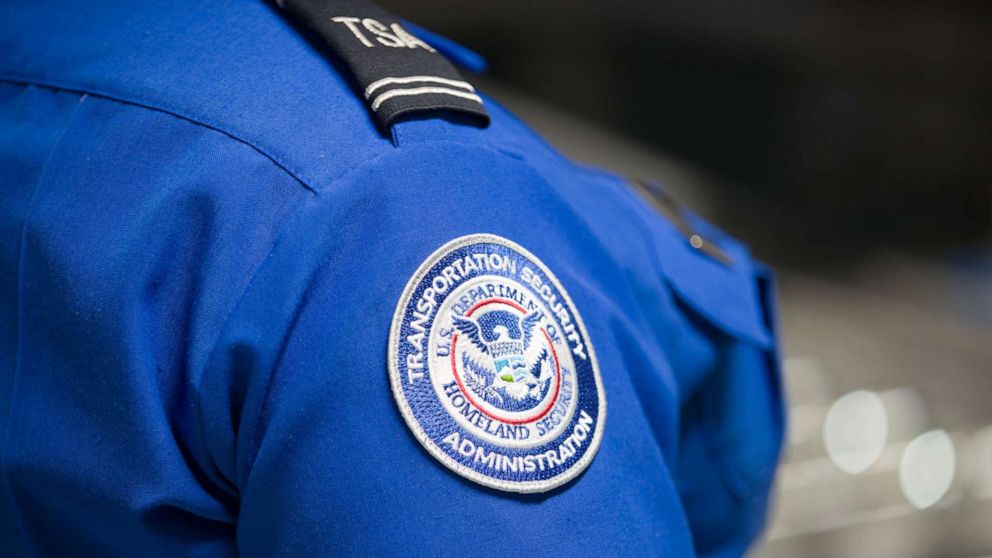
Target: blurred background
[[850, 143]]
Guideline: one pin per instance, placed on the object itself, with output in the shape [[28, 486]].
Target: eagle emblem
[[506, 360]]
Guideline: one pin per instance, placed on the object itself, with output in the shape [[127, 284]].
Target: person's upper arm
[[321, 455]]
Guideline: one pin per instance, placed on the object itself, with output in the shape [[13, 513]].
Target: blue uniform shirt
[[205, 243]]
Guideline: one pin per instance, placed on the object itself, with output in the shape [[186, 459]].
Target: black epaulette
[[398, 73]]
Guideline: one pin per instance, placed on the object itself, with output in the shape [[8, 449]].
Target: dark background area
[[850, 143], [829, 127]]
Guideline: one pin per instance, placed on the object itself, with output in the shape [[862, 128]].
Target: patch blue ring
[[431, 422]]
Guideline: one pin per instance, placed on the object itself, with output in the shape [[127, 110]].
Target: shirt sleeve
[[300, 413], [732, 429], [301, 418], [715, 320]]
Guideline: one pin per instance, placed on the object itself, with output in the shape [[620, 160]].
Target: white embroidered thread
[[423, 91], [415, 79]]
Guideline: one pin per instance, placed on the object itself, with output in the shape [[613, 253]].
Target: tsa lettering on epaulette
[[398, 73], [493, 369]]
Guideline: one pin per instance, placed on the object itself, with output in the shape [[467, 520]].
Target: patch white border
[[395, 379]]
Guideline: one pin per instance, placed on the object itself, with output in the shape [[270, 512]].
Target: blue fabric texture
[[203, 238]]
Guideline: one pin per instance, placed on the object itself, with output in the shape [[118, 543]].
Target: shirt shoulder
[[245, 70], [241, 68]]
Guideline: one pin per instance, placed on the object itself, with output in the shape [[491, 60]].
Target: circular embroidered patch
[[492, 367]]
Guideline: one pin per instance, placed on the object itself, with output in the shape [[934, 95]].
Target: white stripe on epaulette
[[423, 91], [414, 79]]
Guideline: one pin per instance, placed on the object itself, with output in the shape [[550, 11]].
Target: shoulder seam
[[261, 150]]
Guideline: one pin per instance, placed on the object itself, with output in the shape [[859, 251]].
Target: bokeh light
[[927, 469], [855, 431]]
